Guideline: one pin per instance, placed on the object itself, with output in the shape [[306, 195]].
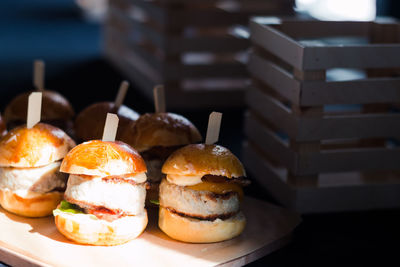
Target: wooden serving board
[[36, 242]]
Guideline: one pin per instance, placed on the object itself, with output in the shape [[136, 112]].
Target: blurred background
[[67, 35]]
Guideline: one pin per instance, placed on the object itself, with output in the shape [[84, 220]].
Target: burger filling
[[25, 181], [215, 197], [155, 158], [107, 198]]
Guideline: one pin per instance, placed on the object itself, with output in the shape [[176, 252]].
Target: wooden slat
[[272, 180], [348, 126], [336, 196], [152, 34], [275, 77], [349, 160], [277, 43], [365, 91], [212, 70], [268, 141], [305, 29], [351, 56], [223, 43], [271, 110]]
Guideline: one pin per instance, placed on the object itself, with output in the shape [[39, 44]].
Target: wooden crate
[[323, 124], [197, 49]]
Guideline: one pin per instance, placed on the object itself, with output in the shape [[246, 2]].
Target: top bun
[[3, 128], [89, 124], [160, 129], [56, 106], [201, 159], [34, 147], [100, 158]]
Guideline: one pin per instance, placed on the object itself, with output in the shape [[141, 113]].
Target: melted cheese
[[184, 180], [218, 188]]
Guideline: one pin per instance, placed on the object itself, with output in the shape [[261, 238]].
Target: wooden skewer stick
[[214, 125], [159, 98], [38, 75], [34, 109], [110, 127], [123, 88]]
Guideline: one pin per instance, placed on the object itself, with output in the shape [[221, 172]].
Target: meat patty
[[199, 204], [40, 179], [120, 196], [154, 170]]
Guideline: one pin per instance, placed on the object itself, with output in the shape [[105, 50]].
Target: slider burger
[[200, 197], [89, 123], [58, 111], [106, 190], [156, 136], [30, 182]]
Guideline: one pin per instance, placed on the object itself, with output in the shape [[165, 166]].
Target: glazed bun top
[[56, 107], [89, 123], [160, 129], [187, 165], [3, 128], [34, 147], [100, 158]]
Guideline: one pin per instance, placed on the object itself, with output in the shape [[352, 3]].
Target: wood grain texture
[[36, 242]]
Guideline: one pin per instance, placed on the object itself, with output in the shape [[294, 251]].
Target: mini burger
[[156, 136], [89, 123], [30, 182], [57, 112], [106, 190], [200, 197]]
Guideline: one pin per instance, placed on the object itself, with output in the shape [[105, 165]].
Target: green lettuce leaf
[[65, 206], [154, 201]]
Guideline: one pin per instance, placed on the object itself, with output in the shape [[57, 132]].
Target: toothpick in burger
[[105, 195], [156, 136], [30, 158]]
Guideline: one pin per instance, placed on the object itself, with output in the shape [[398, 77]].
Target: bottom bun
[[40, 205], [200, 231], [88, 229]]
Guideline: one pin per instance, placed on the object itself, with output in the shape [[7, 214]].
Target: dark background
[[54, 30]]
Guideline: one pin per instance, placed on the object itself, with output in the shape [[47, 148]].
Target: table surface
[[71, 47]]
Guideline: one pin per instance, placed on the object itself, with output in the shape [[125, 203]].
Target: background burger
[[30, 182], [3, 127], [58, 111], [89, 123], [105, 194], [156, 136], [200, 197]]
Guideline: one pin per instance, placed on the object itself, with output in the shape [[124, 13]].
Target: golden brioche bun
[[3, 128], [56, 107], [160, 129], [39, 206], [199, 231], [84, 230], [89, 123], [101, 158], [35, 147], [201, 159]]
